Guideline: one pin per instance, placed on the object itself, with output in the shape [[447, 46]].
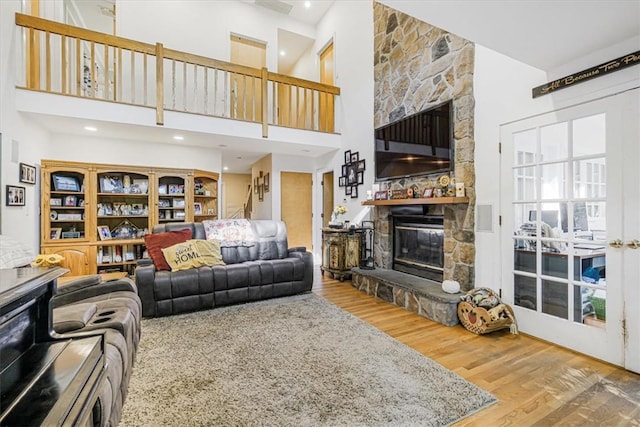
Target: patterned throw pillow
[[192, 254], [13, 253], [156, 242], [230, 232]]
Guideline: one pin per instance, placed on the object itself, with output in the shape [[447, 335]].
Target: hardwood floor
[[536, 383]]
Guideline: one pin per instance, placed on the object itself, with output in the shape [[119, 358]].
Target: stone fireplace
[[417, 66]]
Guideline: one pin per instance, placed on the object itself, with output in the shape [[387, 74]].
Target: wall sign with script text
[[593, 72]]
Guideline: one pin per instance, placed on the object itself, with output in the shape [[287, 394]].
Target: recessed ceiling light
[[283, 53], [306, 151], [225, 168], [222, 146], [307, 4], [91, 128], [178, 137]]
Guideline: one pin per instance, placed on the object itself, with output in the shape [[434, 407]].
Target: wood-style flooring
[[536, 383]]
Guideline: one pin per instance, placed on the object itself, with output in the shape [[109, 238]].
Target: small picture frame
[[427, 193], [361, 165], [360, 177], [55, 202], [211, 211], [55, 233], [65, 183], [70, 235], [197, 208], [344, 170], [103, 232], [355, 157], [178, 203], [261, 192], [381, 195], [176, 188], [70, 201], [14, 195], [352, 174], [354, 191], [27, 173], [111, 184], [342, 181], [266, 182], [255, 185], [347, 190]]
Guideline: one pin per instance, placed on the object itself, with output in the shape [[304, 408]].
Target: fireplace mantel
[[417, 201]]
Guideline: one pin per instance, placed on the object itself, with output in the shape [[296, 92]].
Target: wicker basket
[[478, 321]]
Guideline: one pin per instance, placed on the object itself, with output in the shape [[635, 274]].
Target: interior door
[[327, 197], [295, 207], [246, 91], [563, 177], [326, 100]]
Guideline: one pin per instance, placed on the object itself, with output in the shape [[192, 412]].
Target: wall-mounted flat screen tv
[[419, 144]]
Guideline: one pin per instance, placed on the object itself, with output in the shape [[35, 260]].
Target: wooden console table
[[341, 251], [44, 380]]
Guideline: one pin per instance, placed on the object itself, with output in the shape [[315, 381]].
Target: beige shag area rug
[[296, 361]]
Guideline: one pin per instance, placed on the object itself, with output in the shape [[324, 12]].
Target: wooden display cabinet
[[205, 195], [96, 215]]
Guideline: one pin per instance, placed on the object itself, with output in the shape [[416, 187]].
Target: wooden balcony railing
[[74, 61]]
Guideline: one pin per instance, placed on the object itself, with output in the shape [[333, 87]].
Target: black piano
[[45, 378]]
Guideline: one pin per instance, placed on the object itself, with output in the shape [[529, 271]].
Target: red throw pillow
[[157, 242]]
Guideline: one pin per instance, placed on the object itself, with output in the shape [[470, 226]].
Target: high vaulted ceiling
[[542, 33]]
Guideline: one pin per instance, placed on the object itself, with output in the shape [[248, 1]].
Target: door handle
[[616, 243], [634, 244]]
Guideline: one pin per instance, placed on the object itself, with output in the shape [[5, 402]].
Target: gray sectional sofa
[[265, 269]]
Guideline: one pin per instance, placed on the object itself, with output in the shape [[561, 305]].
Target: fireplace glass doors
[[418, 246]]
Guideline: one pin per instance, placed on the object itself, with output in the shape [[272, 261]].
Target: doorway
[[326, 120], [570, 239], [327, 197], [246, 91], [296, 207]]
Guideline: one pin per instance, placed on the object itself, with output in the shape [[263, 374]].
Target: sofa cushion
[[156, 242], [193, 253]]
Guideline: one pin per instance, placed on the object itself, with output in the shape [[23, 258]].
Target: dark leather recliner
[[266, 269]]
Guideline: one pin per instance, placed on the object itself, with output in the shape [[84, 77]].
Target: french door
[[570, 197]]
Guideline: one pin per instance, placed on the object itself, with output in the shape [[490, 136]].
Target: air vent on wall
[[275, 5]]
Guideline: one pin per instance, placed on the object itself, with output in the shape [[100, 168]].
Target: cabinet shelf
[[66, 220], [66, 193], [59, 207], [417, 201], [205, 197], [171, 195], [121, 216], [124, 195]]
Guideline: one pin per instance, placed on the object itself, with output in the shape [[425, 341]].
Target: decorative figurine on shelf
[[337, 211]]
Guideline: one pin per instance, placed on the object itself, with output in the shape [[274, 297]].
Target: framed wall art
[[14, 195], [27, 173]]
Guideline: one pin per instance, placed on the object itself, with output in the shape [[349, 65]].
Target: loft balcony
[[86, 66]]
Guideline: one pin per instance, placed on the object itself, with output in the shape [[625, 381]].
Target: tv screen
[[420, 144]]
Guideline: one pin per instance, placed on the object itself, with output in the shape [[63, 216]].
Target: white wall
[[500, 85], [204, 27], [23, 222], [134, 153]]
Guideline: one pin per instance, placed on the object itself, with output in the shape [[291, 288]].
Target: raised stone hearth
[[415, 294]]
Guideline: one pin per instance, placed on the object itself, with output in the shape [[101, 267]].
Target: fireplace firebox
[[418, 244]]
